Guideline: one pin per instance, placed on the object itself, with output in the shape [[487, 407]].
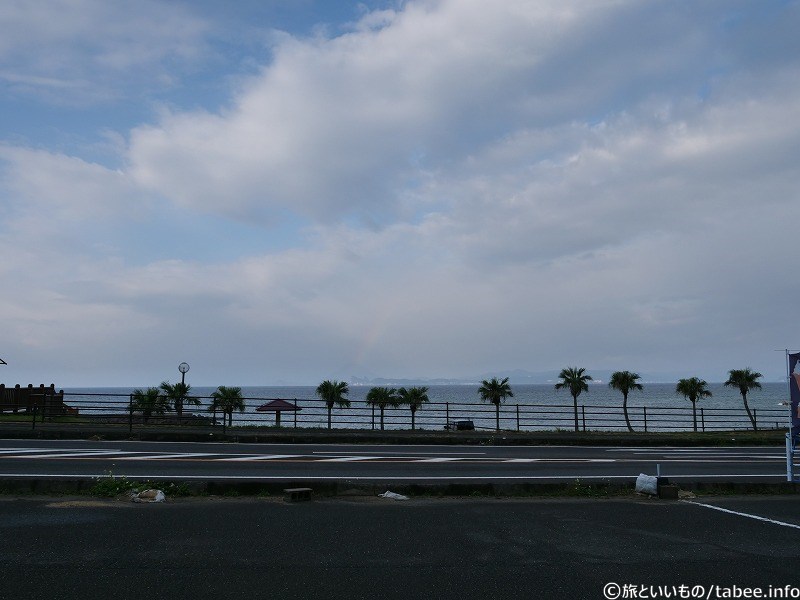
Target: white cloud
[[85, 51], [529, 186], [64, 188], [338, 125]]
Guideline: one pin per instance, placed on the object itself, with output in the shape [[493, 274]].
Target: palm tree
[[177, 395], [625, 382], [149, 401], [413, 398], [382, 397], [333, 392], [227, 399], [693, 389], [745, 380], [576, 381], [495, 391]]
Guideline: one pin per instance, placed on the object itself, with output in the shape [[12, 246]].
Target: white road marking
[[304, 477], [347, 458], [404, 454], [165, 456], [53, 450], [741, 514], [260, 457], [436, 460], [73, 454], [694, 449], [24, 450], [522, 460]]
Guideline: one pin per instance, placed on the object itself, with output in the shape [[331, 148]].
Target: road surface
[[374, 548], [380, 463]]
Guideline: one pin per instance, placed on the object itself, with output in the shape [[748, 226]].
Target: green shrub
[[109, 486]]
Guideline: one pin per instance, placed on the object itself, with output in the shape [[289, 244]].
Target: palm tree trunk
[[625, 410], [749, 414], [230, 418], [497, 415], [381, 418], [694, 415], [413, 414], [575, 407], [329, 417]]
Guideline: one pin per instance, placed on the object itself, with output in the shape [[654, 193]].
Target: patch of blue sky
[[191, 236], [298, 17]]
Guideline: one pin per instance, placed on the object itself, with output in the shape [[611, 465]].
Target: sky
[[286, 191]]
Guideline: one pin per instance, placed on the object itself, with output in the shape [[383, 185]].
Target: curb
[[343, 489], [492, 438]]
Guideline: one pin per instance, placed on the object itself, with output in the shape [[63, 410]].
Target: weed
[[109, 486]]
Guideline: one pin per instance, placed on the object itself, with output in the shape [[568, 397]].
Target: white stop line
[[741, 514]]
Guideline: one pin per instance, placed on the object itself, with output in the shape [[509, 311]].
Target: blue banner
[[794, 392]]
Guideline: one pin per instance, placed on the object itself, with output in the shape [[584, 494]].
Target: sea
[[533, 407]]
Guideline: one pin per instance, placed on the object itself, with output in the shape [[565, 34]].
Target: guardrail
[[115, 410]]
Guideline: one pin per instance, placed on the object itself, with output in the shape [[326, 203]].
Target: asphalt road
[[310, 462], [374, 548]]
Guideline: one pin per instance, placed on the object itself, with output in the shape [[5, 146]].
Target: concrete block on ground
[[298, 494]]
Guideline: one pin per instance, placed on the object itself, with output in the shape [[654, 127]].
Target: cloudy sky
[[283, 191]]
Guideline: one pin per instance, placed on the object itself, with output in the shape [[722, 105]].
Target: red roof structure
[[277, 406]]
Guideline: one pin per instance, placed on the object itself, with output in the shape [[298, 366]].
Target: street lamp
[[183, 368]]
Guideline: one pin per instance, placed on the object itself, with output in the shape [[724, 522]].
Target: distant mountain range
[[515, 377]]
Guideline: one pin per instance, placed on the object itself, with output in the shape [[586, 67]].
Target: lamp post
[[183, 368]]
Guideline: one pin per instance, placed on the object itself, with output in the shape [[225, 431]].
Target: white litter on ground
[[149, 496], [392, 496], [647, 484]]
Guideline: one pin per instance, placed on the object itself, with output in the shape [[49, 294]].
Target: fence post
[[224, 422], [755, 420], [130, 413], [583, 416], [644, 410], [517, 417], [373, 418], [295, 414], [702, 420], [447, 413]]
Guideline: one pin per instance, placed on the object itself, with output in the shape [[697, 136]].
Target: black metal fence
[[116, 410]]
